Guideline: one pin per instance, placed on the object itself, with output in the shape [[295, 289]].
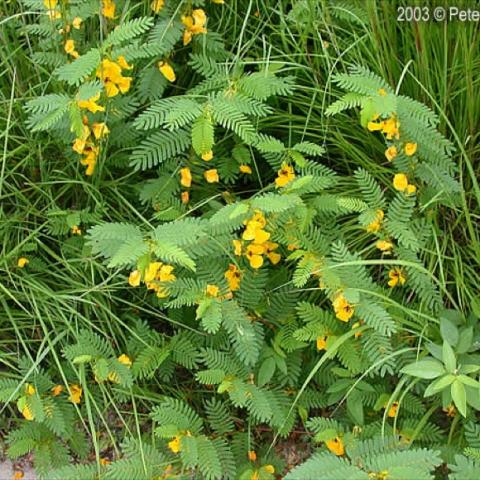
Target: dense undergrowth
[[233, 230]]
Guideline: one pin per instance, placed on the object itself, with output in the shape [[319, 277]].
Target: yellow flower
[[410, 149], [151, 271], [382, 92], [57, 390], [108, 8], [212, 290], [211, 176], [27, 412], [157, 5], [22, 261], [343, 309], [391, 153], [50, 4], [70, 48], [29, 389], [237, 245], [111, 74], [269, 469], [233, 276], [125, 360], [336, 446], [374, 126], [54, 14], [167, 71], [100, 130], [384, 245], [77, 22], [391, 128], [252, 456], [322, 343], [185, 196], [185, 177], [91, 104], [194, 25], [397, 277], [134, 278], [285, 175], [411, 189], [18, 475], [175, 444], [76, 230], [255, 475], [165, 274], [377, 223], [105, 461], [245, 169], [207, 156], [124, 65], [392, 411], [75, 393], [451, 411], [271, 255], [90, 159], [254, 255], [400, 182]]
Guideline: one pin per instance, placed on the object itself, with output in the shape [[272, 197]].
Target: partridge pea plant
[[232, 289]]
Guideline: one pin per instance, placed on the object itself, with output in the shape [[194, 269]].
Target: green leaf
[[266, 371], [428, 368], [449, 358], [468, 381], [465, 340], [202, 134], [76, 72], [459, 397], [439, 385], [449, 331]]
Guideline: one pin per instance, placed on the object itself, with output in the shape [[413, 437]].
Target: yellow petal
[[400, 182], [22, 261], [211, 176], [167, 71], [410, 149], [207, 156], [245, 169], [134, 278]]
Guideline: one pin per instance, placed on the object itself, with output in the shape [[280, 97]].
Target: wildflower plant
[[245, 245]]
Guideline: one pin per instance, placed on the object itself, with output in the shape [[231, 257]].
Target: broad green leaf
[[449, 358], [449, 331], [459, 397], [428, 368], [266, 371], [439, 385]]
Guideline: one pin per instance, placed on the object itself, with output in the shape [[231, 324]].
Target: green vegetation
[[231, 229]]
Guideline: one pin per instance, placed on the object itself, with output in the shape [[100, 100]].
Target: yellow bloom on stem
[[111, 74], [70, 48], [185, 177], [384, 245], [27, 413], [18, 475], [392, 411], [252, 456], [29, 389], [167, 71], [79, 145], [374, 126], [254, 255], [100, 130], [54, 14], [322, 342], [125, 360], [157, 5], [410, 149], [199, 21], [343, 309], [397, 277], [165, 274], [400, 182], [76, 230], [269, 469], [124, 65], [108, 9], [391, 153], [336, 446], [382, 92], [75, 393], [273, 256], [377, 223], [237, 246], [151, 271], [91, 104], [175, 444], [105, 461], [90, 159], [411, 189], [451, 411], [57, 390], [391, 128], [185, 197], [211, 176], [233, 276], [207, 156], [285, 175], [50, 4], [134, 278], [77, 22], [212, 291], [245, 169], [22, 261]]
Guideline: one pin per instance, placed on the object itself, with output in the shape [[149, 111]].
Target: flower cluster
[[194, 24], [111, 74], [259, 244], [400, 183], [86, 143], [154, 275]]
